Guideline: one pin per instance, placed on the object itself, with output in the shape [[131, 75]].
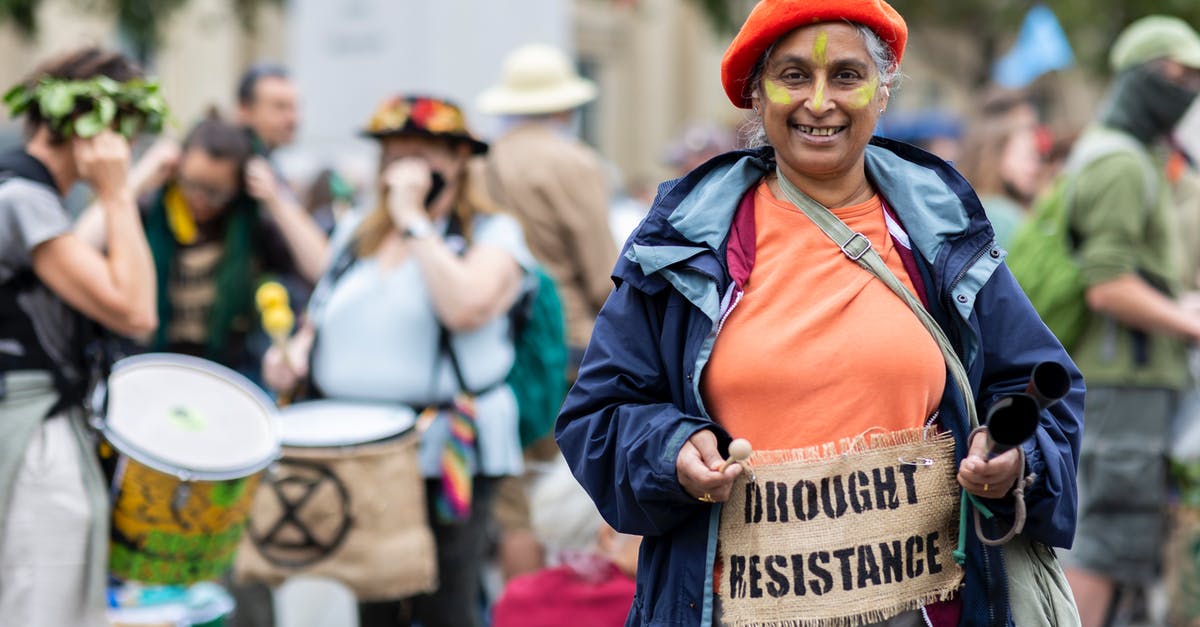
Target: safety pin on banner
[[920, 461]]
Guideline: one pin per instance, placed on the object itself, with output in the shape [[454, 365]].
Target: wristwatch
[[417, 229]]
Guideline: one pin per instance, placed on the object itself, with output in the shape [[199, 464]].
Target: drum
[[186, 441], [346, 501]]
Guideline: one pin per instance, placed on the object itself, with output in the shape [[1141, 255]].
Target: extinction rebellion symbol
[[313, 515]]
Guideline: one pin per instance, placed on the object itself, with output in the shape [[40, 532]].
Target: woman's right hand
[[697, 469], [285, 366], [408, 181], [103, 162]]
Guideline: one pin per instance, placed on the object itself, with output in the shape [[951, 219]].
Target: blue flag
[[1041, 47]]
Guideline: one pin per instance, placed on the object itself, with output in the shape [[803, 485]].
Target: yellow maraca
[[277, 319], [269, 295]]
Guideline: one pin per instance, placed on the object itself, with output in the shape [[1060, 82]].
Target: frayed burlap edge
[[867, 441], [859, 620]]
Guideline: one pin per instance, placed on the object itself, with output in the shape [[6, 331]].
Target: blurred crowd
[[454, 226]]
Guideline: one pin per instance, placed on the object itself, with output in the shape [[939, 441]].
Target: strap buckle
[[857, 246]]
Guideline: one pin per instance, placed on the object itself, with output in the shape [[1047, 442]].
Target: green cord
[[960, 553], [987, 513]]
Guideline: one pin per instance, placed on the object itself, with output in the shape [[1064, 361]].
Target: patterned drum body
[[187, 441]]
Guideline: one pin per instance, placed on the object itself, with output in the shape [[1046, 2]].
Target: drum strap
[[90, 355]]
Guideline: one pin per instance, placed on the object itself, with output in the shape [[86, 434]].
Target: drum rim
[[100, 394], [345, 445]]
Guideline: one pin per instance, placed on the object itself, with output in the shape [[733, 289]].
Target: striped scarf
[[458, 460]]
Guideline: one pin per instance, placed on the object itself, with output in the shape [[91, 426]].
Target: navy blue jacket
[[637, 398]]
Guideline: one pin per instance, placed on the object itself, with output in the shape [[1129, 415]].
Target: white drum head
[[339, 423], [190, 414]]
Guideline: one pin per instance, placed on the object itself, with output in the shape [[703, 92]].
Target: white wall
[[349, 55]]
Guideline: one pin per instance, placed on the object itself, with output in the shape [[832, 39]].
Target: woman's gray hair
[[754, 134]]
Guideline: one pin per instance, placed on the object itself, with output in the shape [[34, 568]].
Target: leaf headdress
[[83, 108]]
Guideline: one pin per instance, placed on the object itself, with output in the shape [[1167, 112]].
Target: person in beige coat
[[558, 188], [553, 183]]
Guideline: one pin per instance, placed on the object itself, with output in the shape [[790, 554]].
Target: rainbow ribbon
[[458, 461]]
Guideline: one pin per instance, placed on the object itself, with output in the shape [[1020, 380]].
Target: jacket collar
[[682, 241], [933, 202]]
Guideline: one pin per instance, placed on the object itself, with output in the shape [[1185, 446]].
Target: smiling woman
[[822, 102], [737, 314], [858, 89]]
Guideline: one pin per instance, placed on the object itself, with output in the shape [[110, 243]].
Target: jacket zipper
[[737, 298], [729, 303], [989, 581], [948, 298]]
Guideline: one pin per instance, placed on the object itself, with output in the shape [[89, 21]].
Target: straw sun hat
[[536, 79]]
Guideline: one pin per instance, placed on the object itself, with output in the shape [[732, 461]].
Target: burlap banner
[[848, 536]]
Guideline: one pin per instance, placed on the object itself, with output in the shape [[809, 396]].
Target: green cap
[[1156, 37]]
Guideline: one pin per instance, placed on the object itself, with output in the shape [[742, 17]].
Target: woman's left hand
[[702, 471], [989, 478], [260, 182], [407, 181]]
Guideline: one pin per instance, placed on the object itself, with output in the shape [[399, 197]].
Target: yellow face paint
[[777, 94], [820, 55], [865, 94], [820, 60]]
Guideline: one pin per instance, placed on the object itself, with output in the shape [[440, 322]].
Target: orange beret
[[772, 19]]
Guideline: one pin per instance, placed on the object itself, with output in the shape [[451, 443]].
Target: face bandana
[[1146, 104], [437, 184]]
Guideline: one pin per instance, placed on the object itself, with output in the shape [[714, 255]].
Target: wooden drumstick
[[278, 323], [271, 298], [739, 451]]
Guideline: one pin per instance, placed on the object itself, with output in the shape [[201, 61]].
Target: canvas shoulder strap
[[858, 248]]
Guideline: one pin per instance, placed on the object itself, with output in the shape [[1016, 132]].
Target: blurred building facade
[[654, 60], [656, 63]]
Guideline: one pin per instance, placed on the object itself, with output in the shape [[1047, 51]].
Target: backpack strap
[[455, 239], [1097, 143], [92, 350], [337, 269]]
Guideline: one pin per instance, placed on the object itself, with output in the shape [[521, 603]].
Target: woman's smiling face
[[819, 99]]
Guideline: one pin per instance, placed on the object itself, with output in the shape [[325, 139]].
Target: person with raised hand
[[54, 290], [415, 311]]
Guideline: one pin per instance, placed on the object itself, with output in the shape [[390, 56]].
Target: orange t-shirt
[[818, 349]]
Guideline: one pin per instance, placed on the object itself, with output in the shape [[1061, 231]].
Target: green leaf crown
[[133, 106]]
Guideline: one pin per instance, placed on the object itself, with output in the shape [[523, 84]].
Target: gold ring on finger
[[707, 498], [986, 486]]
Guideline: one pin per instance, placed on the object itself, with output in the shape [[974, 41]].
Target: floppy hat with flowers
[[422, 115], [772, 19]]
